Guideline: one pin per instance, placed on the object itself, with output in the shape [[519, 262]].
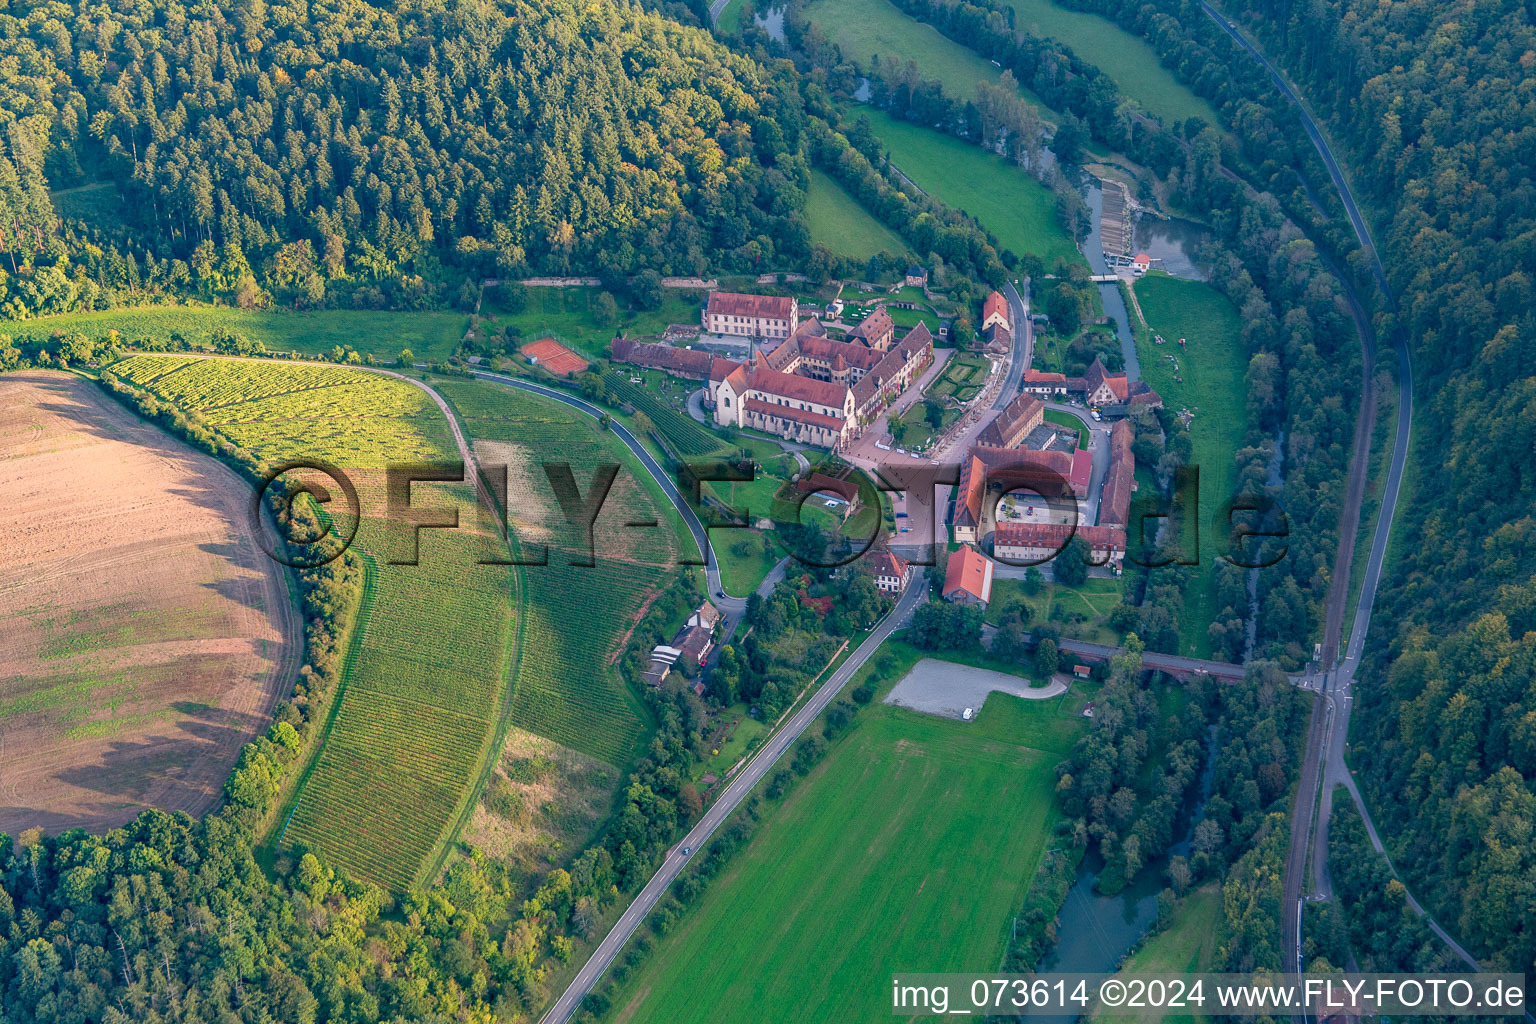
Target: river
[[1109, 292], [1095, 932]]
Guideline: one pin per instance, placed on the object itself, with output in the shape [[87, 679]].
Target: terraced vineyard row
[[576, 616], [429, 681], [419, 711], [348, 416], [680, 430], [566, 689]]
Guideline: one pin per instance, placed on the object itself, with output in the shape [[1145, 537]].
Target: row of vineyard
[[348, 416], [417, 717], [566, 688], [681, 431], [428, 680], [577, 615]]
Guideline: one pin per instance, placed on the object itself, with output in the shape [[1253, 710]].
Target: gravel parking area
[[945, 688]]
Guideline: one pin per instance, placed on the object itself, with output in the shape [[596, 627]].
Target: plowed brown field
[[144, 636]]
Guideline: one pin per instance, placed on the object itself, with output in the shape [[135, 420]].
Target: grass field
[[382, 334], [1004, 199], [887, 856], [838, 222], [424, 693], [1213, 367], [1067, 420], [1078, 611], [730, 18], [864, 28], [1129, 62]]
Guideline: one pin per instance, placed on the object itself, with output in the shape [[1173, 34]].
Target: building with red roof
[[968, 577], [891, 571], [751, 316], [990, 471], [1115, 499], [680, 362], [1014, 423], [1033, 543], [876, 331], [995, 311]]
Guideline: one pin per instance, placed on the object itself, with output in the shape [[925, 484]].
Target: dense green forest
[[1436, 105], [341, 153]]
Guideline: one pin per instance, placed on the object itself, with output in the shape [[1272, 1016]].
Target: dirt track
[[144, 636]]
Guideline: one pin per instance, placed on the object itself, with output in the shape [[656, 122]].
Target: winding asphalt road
[[1324, 766], [1023, 343]]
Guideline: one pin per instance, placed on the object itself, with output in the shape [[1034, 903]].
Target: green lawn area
[[1187, 946], [1213, 367], [742, 729], [1004, 199], [382, 334], [1064, 419], [740, 573], [729, 22], [865, 28], [1079, 612], [888, 856], [838, 222], [1128, 61]]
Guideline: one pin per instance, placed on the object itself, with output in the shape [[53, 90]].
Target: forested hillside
[[1436, 105], [342, 153]]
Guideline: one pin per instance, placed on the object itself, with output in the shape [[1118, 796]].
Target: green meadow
[[864, 29], [1003, 198], [908, 847], [1128, 61], [1214, 368], [838, 222]]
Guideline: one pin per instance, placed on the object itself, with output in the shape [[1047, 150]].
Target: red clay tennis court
[[554, 357]]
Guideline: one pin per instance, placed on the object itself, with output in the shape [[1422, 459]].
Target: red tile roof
[[973, 481], [873, 326], [1115, 501], [1082, 471], [883, 563], [1096, 374], [682, 362], [826, 350], [1015, 420], [801, 389], [968, 571], [778, 307], [789, 412], [720, 368], [914, 346], [1056, 535], [995, 304]]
